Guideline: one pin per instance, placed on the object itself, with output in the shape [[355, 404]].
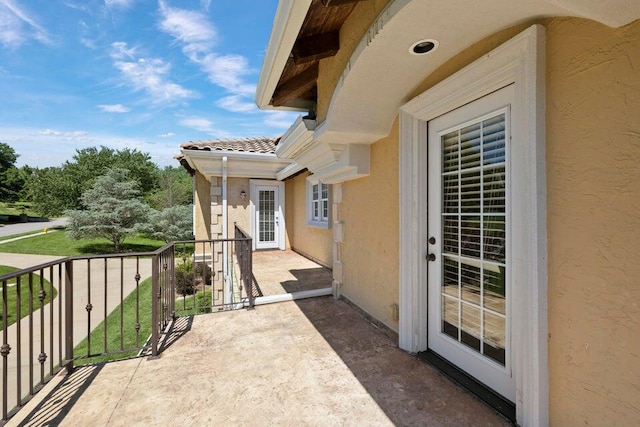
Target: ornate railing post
[[249, 272], [68, 315], [155, 315]]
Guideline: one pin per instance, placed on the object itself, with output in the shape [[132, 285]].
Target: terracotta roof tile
[[247, 145]]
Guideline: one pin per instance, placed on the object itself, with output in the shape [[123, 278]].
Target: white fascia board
[[241, 164], [288, 171], [294, 140], [287, 23], [219, 154]]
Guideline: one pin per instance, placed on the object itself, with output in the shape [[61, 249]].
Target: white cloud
[[205, 4], [197, 36], [16, 26], [148, 75], [50, 132], [43, 148], [279, 119], [198, 123], [227, 71], [85, 35], [122, 51], [188, 27], [113, 108], [166, 135], [88, 43], [236, 104], [121, 4], [76, 135], [79, 6]]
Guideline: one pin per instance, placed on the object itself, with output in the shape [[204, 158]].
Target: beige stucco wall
[[237, 208], [593, 195], [313, 242], [369, 252], [202, 207], [593, 215]]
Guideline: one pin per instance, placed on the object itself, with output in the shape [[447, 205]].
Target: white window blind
[[474, 236]]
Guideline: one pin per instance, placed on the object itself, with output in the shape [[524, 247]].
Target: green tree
[[52, 191], [60, 189], [8, 156], [175, 187], [11, 180], [89, 163], [112, 209], [170, 224]]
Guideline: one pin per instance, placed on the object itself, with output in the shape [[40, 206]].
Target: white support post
[[225, 234]]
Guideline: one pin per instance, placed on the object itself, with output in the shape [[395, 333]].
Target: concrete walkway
[[28, 236], [101, 289], [313, 362]]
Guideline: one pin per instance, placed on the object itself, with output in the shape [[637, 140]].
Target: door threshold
[[502, 405]]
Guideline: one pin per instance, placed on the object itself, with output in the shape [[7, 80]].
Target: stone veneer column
[[216, 229], [338, 235]]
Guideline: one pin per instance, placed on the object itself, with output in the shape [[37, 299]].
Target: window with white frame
[[317, 204]]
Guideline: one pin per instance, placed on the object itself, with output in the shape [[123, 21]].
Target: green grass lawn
[[16, 208], [199, 303], [59, 244], [24, 292], [28, 233], [113, 330]]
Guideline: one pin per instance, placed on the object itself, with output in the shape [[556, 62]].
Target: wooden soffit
[[318, 38]]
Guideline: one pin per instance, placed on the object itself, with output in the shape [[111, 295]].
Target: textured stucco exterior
[[312, 242], [202, 199], [593, 195], [239, 209], [369, 252], [593, 212]]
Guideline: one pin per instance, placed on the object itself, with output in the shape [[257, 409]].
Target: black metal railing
[[80, 310], [245, 261]]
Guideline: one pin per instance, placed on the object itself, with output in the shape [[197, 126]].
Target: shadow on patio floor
[[310, 362], [409, 391]]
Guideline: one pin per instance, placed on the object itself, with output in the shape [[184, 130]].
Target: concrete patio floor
[[281, 272], [309, 362]]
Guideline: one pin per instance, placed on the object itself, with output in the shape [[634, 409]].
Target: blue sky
[[143, 74]]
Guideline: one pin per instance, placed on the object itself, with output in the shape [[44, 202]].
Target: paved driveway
[[10, 229]]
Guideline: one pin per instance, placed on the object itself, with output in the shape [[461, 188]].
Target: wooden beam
[[328, 3], [314, 48], [295, 86]]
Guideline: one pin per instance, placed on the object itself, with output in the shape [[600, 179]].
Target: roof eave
[[249, 155], [287, 23]]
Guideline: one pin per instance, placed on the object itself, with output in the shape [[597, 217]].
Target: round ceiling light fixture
[[424, 46]]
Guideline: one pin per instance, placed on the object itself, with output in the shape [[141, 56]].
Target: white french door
[[267, 216], [469, 240]]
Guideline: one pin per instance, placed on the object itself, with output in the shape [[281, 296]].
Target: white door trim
[[520, 61], [253, 202]]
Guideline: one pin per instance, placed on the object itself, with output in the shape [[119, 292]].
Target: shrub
[[187, 279]]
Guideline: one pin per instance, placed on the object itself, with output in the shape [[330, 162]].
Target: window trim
[[320, 221], [521, 61]]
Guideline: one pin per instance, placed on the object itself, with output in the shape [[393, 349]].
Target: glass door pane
[[266, 216], [473, 286]]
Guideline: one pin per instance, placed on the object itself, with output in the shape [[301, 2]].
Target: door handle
[[431, 257]]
